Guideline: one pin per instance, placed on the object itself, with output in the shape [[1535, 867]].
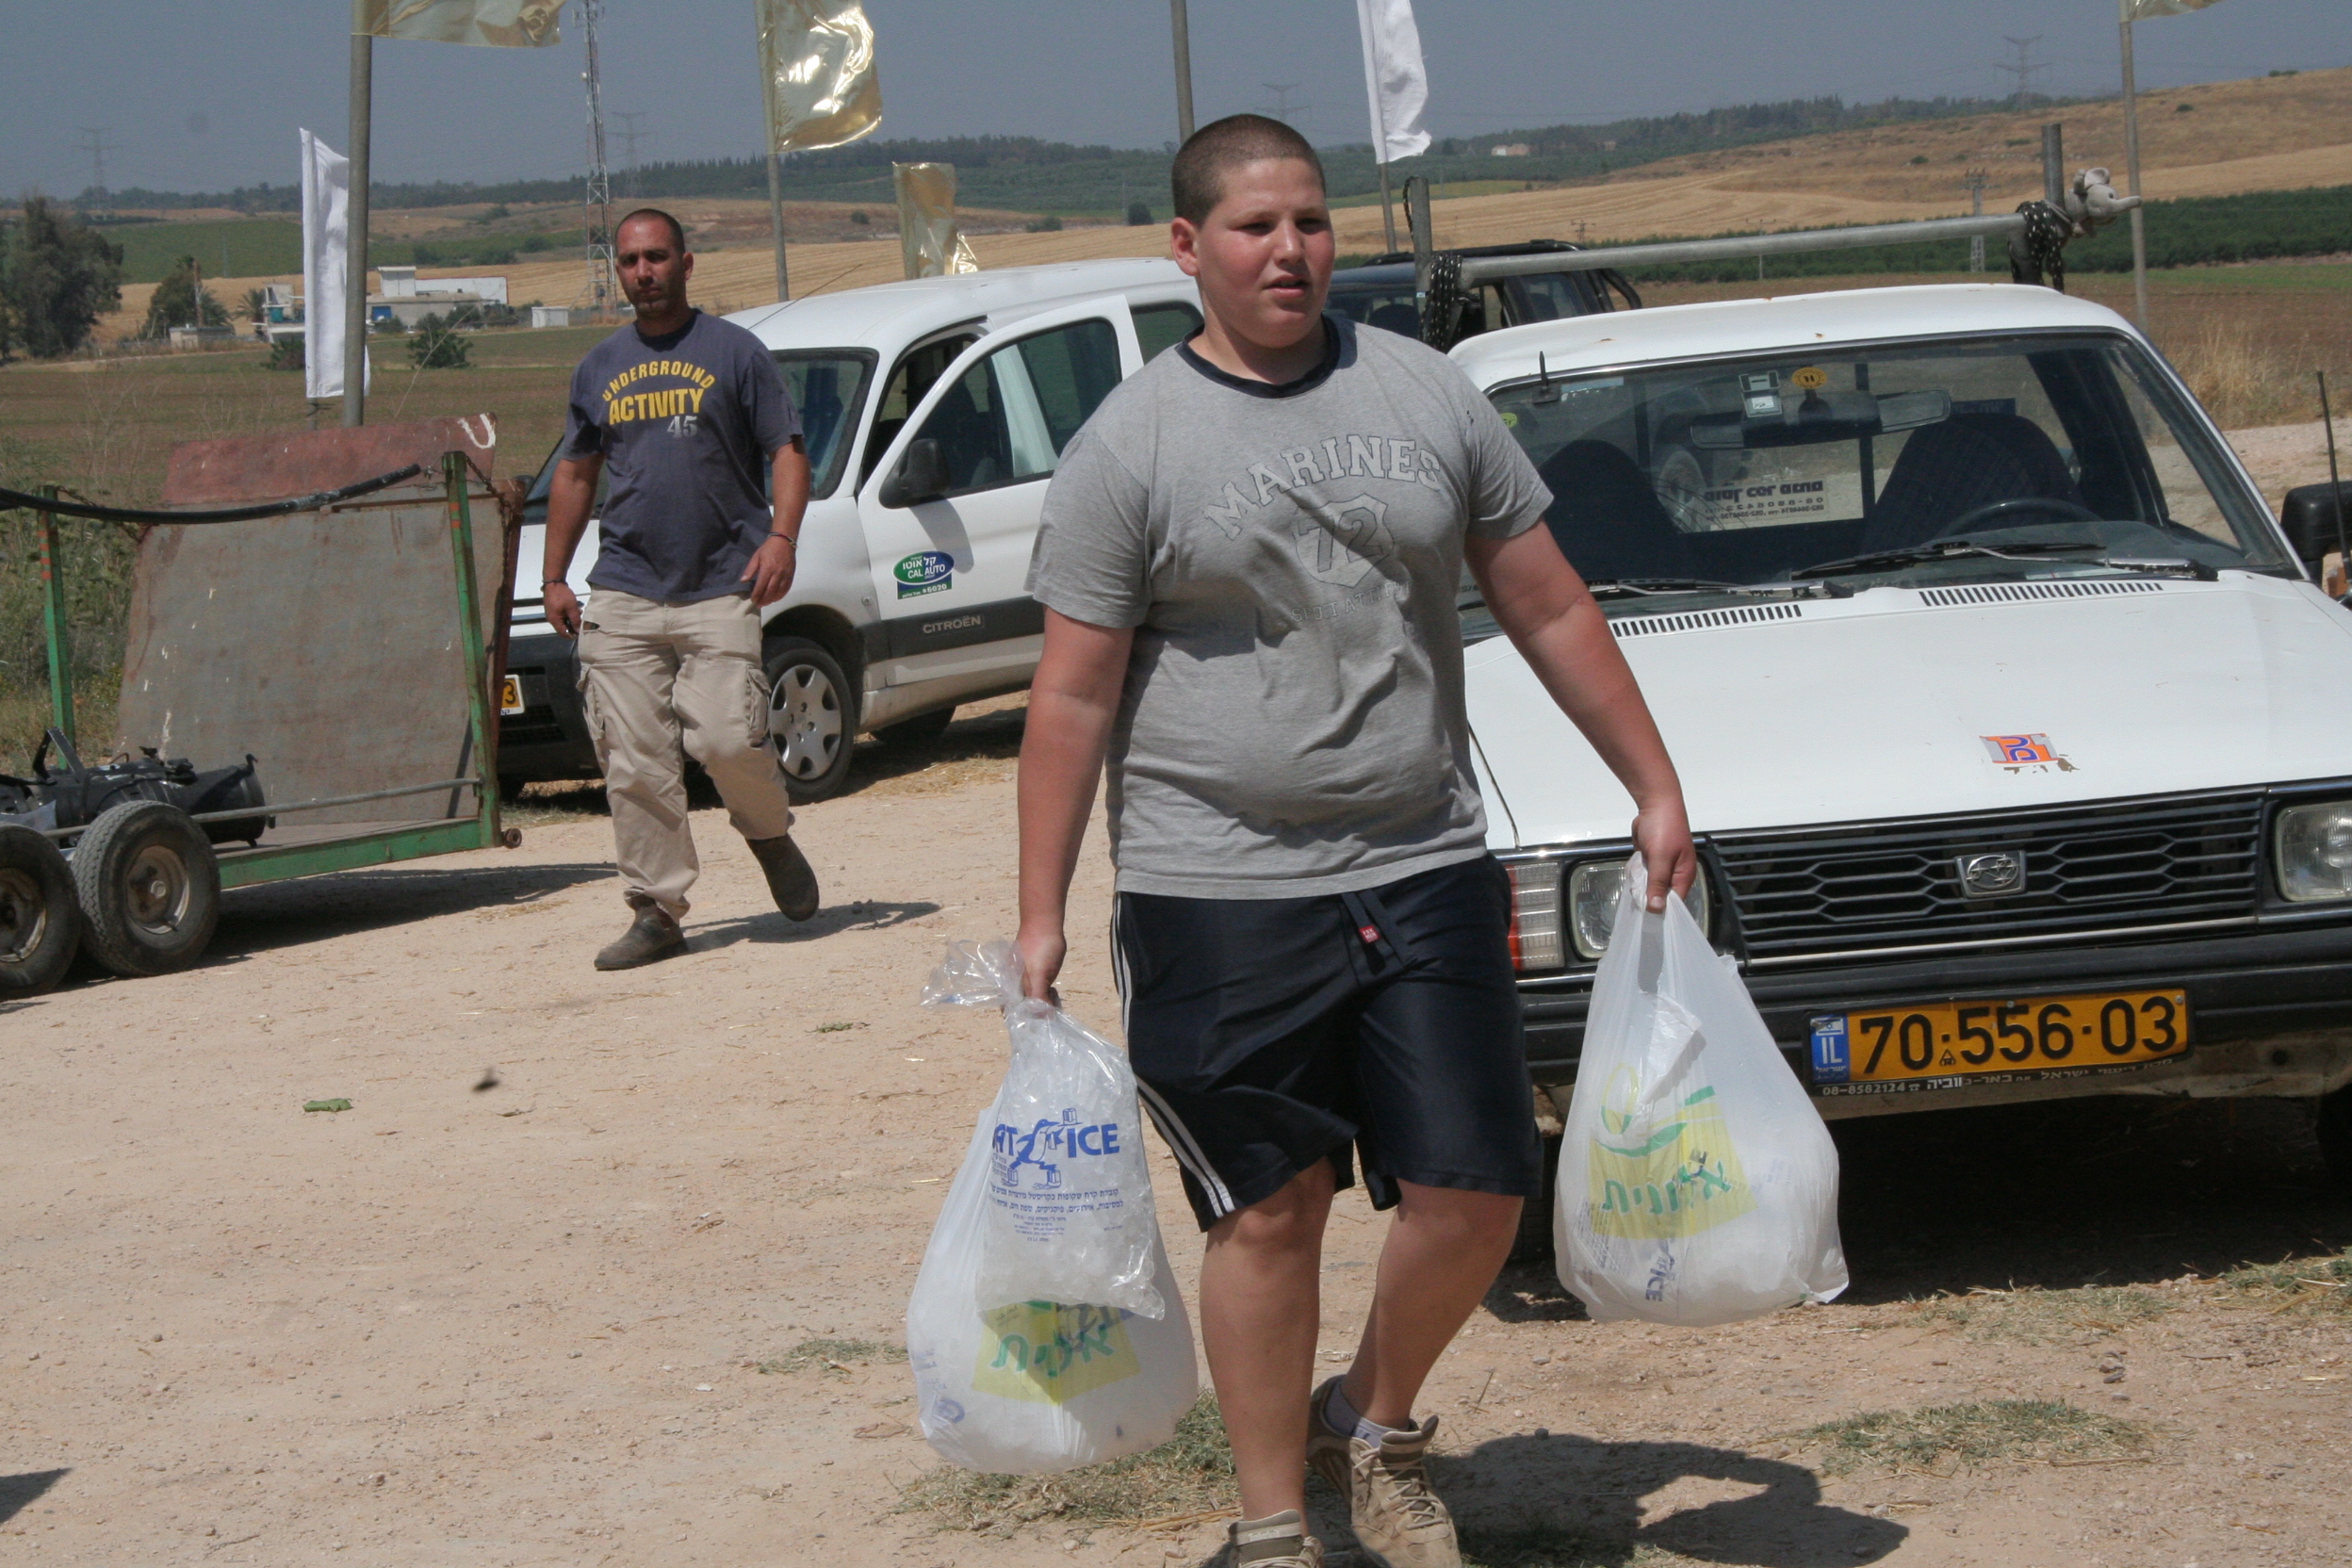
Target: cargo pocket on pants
[[592, 711], [756, 692]]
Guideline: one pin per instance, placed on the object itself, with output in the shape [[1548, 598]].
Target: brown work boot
[[791, 879], [1277, 1540], [1398, 1520], [654, 934]]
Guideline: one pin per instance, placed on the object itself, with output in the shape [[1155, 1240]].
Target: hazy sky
[[208, 95]]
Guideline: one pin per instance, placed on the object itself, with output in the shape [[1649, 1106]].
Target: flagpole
[[355, 253], [1181, 26], [2131, 176], [776, 220]]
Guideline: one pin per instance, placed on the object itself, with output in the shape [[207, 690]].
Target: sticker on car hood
[[2025, 752]]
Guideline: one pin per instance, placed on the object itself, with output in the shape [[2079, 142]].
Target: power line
[[1282, 91], [95, 147], [601, 270], [1975, 185], [2024, 69], [630, 136]]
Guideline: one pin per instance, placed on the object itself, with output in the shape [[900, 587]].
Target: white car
[[935, 411], [2011, 725]]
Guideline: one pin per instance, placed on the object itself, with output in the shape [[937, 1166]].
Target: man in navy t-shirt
[[685, 411]]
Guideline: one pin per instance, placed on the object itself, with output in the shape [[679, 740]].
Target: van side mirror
[[920, 475], [2316, 518]]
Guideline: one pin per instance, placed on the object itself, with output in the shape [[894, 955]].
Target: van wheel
[[812, 717], [919, 730], [150, 889], [39, 923], [2335, 1137]]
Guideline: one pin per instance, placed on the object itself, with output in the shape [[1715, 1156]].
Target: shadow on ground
[[1551, 1501], [280, 914], [19, 1493], [864, 915], [2058, 1195]]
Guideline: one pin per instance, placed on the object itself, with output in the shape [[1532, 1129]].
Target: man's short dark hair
[[1201, 163], [677, 230]]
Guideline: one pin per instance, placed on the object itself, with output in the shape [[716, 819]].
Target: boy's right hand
[[1041, 955]]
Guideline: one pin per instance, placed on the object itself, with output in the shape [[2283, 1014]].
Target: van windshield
[[828, 387], [1976, 459]]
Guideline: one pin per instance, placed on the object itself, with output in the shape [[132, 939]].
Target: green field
[[262, 247]]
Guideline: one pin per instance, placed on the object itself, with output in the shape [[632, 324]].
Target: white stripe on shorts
[[1179, 1139]]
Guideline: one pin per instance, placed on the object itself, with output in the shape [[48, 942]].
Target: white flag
[[326, 265], [2140, 10], [1394, 78]]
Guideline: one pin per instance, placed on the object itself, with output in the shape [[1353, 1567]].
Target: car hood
[[1880, 706]]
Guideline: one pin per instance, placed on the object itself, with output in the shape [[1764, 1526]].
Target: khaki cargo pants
[[658, 677]]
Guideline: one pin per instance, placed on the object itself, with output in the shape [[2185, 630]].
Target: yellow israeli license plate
[[511, 694], [1916, 1045]]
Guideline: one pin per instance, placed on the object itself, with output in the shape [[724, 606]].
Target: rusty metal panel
[[324, 642]]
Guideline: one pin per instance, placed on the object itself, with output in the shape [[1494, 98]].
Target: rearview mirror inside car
[[920, 475]]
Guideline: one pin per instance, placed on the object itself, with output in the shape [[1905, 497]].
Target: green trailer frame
[[267, 862]]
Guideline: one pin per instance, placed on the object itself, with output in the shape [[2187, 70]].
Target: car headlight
[[2314, 851], [1592, 890]]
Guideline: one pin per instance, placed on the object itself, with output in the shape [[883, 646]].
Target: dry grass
[[1189, 1476], [1942, 1438], [2241, 380], [2298, 1284], [834, 1355], [2039, 1317]]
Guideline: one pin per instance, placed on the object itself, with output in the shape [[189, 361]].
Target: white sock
[[1342, 1417]]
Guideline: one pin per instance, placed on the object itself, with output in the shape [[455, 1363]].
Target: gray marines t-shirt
[[1293, 720]]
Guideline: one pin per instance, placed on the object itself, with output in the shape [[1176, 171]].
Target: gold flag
[[817, 56], [2140, 10], [928, 238], [502, 23]]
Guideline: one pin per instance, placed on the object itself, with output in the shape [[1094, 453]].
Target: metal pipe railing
[[1483, 269]]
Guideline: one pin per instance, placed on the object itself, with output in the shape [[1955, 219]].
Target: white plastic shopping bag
[[1069, 1214], [1037, 1385], [1697, 1185]]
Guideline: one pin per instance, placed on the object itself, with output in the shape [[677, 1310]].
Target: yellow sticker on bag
[[1671, 1178], [1049, 1353]]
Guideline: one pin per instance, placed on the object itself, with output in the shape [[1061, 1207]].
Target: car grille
[[532, 726], [2088, 870]]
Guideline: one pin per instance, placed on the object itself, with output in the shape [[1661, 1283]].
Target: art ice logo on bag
[[1048, 1352], [1048, 1146], [1655, 1175]]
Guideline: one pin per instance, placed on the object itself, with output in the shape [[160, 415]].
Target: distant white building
[[409, 299], [1511, 149]]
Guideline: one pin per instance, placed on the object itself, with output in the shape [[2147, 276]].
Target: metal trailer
[[333, 613]]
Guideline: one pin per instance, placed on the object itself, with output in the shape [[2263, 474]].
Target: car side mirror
[[920, 475], [2316, 518]]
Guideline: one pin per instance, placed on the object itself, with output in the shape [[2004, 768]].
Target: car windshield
[[1980, 460], [828, 387]]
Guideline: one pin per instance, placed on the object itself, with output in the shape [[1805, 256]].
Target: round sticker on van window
[[1811, 378], [1510, 420], [925, 572]]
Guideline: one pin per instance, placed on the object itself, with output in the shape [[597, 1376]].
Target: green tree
[[175, 303], [1138, 215], [58, 276], [437, 346]]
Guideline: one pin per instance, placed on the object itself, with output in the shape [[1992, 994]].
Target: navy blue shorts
[[1268, 1034]]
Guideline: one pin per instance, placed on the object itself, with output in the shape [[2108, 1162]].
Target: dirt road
[[524, 1323]]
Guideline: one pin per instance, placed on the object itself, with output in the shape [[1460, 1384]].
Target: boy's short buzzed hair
[[1199, 173], [677, 230]]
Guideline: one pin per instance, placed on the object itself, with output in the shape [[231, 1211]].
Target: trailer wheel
[[39, 923], [150, 889]]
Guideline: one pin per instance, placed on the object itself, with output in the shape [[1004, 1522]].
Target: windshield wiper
[[1943, 549]]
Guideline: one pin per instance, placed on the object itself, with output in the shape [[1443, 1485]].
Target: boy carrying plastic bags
[[1248, 560]]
